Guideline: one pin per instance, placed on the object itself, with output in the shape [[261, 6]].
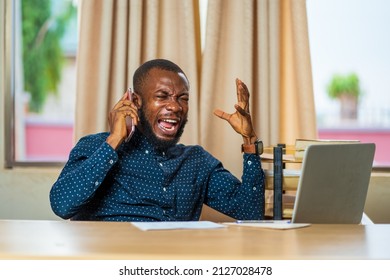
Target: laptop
[[333, 185]]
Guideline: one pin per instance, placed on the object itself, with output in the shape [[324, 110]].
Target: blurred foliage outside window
[[43, 56]]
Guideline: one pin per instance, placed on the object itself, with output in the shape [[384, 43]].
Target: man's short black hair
[[142, 72]]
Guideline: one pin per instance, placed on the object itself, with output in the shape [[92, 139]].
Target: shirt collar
[[139, 141]]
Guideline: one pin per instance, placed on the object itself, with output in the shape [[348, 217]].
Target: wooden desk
[[116, 240]]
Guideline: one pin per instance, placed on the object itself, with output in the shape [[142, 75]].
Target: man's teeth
[[170, 121], [168, 124]]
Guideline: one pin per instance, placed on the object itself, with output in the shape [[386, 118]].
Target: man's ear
[[137, 100]]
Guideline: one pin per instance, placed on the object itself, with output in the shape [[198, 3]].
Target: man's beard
[[158, 143]]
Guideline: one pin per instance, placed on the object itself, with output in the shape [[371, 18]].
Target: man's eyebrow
[[168, 90]]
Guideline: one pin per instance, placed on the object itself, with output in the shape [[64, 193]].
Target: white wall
[[24, 191]]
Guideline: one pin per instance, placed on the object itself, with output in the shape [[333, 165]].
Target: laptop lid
[[333, 185]]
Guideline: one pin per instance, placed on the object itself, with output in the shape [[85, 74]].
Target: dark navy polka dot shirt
[[138, 183]]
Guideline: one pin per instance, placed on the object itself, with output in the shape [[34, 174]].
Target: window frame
[[9, 95]]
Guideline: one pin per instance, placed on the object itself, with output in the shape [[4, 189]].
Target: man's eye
[[184, 98], [162, 95]]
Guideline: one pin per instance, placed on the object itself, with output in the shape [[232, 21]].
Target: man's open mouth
[[169, 126]]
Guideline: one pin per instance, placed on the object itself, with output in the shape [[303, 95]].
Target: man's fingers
[[245, 87], [120, 102], [124, 105], [242, 111], [238, 84], [242, 93], [221, 114], [125, 111]]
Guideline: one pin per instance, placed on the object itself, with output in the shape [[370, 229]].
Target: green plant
[[344, 84], [42, 53]]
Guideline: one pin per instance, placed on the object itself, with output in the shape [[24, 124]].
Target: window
[[42, 80], [349, 38]]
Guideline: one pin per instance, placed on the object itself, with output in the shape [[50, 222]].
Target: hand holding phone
[[129, 122]]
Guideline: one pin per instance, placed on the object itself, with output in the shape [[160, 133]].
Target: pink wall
[[45, 141], [381, 137]]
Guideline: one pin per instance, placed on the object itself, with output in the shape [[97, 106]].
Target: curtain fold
[[298, 119]]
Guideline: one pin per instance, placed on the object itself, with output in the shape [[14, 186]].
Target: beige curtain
[[297, 113], [265, 44], [116, 37]]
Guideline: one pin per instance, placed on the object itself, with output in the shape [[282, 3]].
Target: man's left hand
[[240, 120]]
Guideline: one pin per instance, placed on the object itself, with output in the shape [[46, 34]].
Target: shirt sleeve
[[240, 200], [88, 164]]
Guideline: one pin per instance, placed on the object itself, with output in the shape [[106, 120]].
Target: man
[[151, 177]]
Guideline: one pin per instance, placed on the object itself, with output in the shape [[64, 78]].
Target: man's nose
[[174, 105]]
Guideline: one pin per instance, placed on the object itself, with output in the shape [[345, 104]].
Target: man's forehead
[[159, 77]]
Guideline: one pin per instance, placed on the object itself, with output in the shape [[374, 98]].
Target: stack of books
[[302, 144], [281, 186]]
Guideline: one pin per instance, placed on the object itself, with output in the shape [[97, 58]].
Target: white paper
[[176, 225], [271, 225]]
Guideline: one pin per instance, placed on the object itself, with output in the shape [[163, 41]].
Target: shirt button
[[111, 161], [165, 189], [96, 183], [249, 162], [161, 164], [254, 188], [146, 152]]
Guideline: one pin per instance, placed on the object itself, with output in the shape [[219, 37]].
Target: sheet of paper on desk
[[271, 225], [176, 225]]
